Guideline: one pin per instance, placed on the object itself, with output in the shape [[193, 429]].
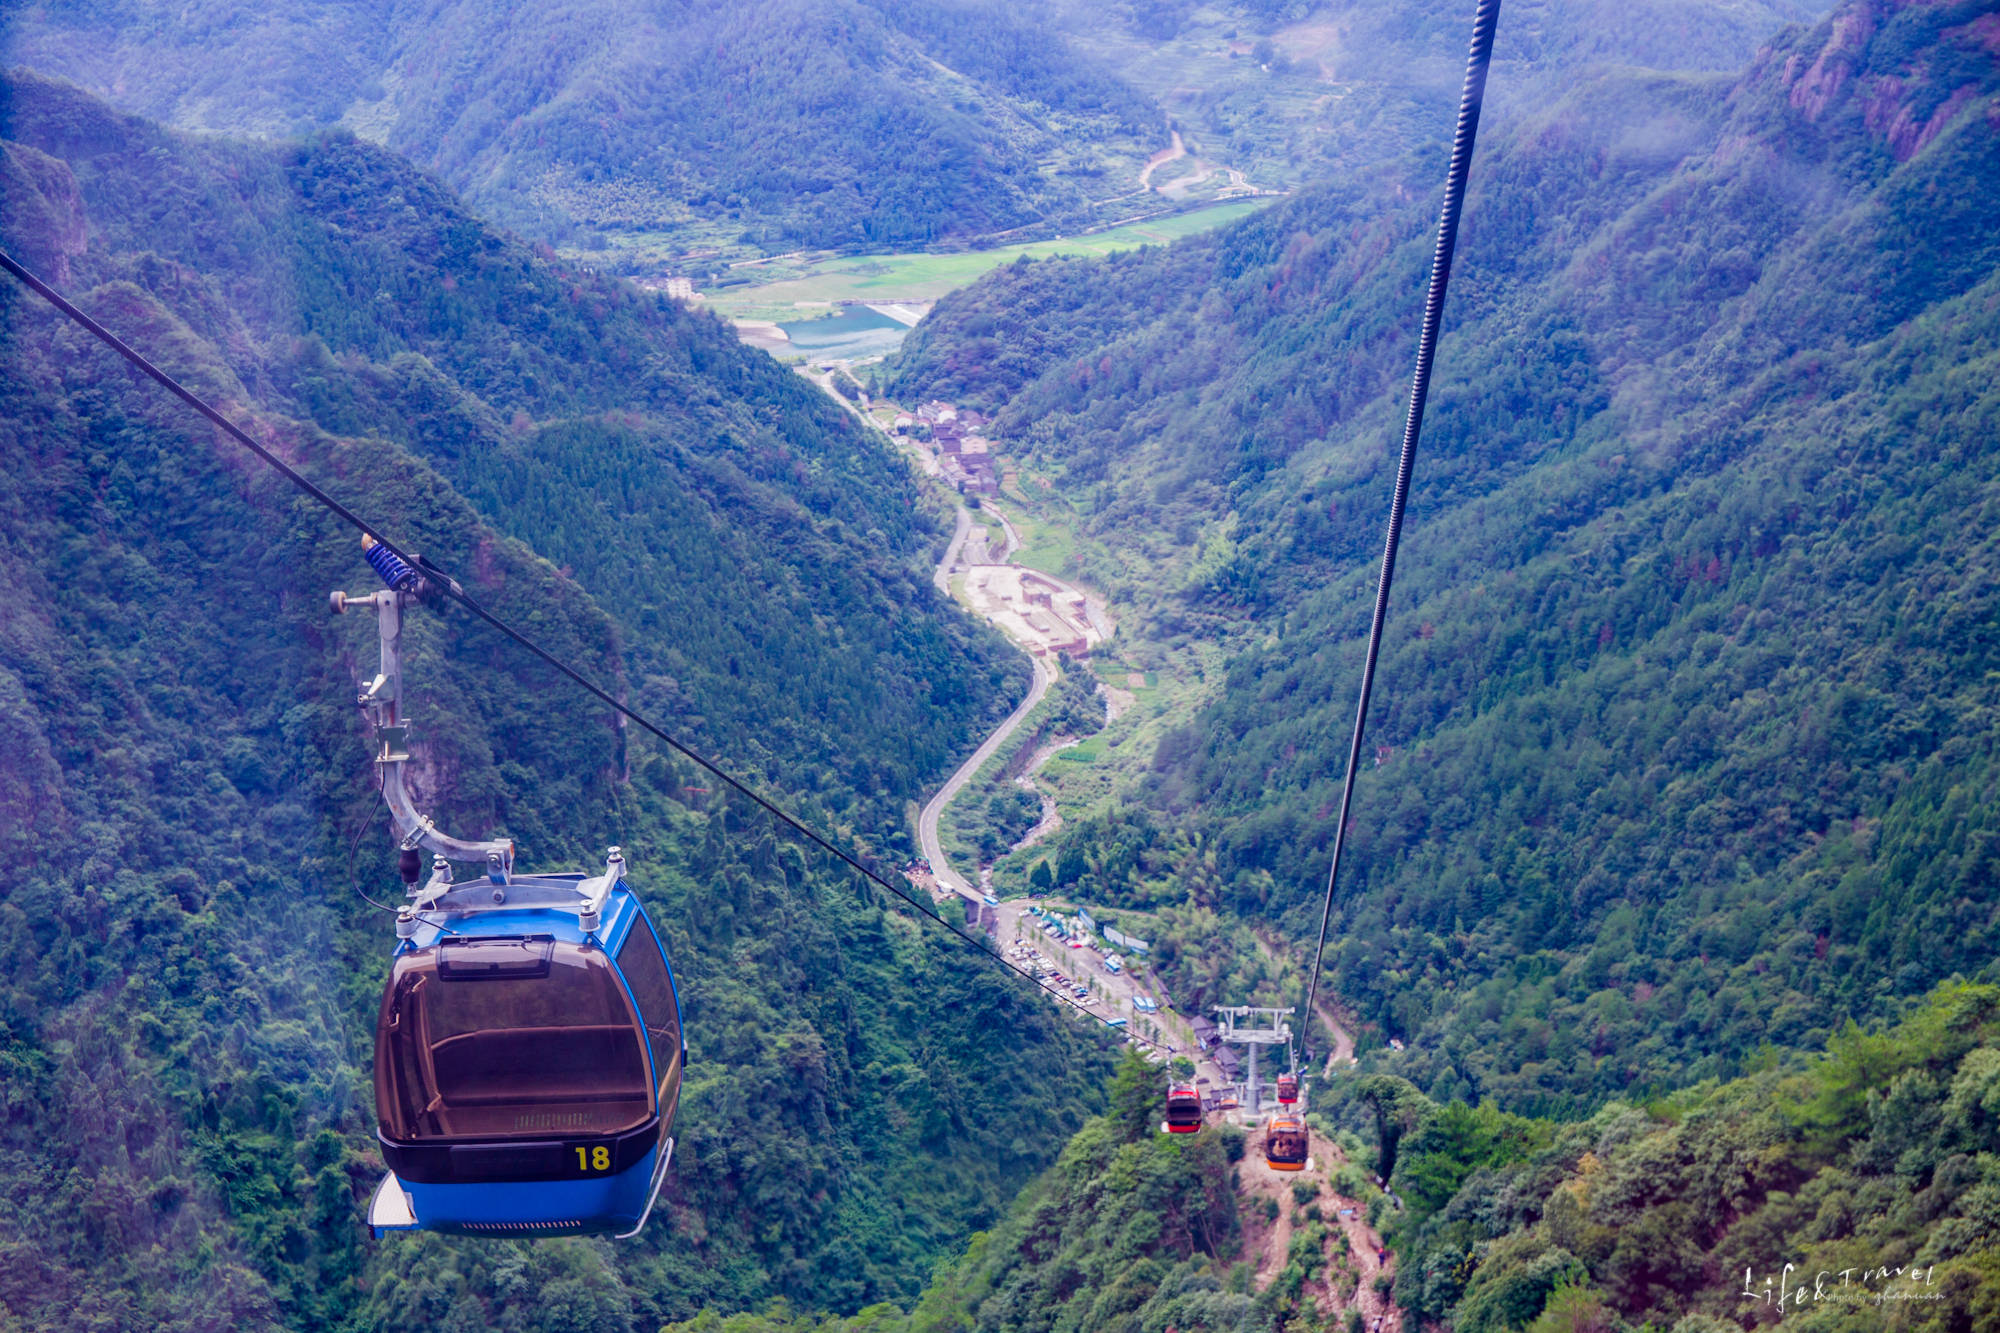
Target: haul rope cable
[[451, 589], [1483, 23]]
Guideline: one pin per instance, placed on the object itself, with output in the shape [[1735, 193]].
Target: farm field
[[926, 277]]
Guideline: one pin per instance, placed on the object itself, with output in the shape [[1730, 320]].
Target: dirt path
[[1266, 1243], [1051, 820], [1343, 1039], [1173, 152]]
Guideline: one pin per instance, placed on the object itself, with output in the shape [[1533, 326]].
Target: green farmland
[[917, 278]]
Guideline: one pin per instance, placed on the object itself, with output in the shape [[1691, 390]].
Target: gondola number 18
[[593, 1159]]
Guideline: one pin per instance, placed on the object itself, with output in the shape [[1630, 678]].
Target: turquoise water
[[856, 331]]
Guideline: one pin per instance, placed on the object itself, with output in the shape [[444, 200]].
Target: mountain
[[695, 133], [188, 968], [1129, 1229], [1303, 92], [780, 122], [1682, 742]]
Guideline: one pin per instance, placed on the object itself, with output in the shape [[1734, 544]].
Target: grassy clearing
[[1045, 546]]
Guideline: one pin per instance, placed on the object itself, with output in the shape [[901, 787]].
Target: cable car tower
[[1234, 1028], [529, 1050]]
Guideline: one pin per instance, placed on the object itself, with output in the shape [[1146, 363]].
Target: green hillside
[[1682, 744], [683, 136], [1862, 1192], [1130, 1229], [780, 123], [187, 971], [1302, 92]]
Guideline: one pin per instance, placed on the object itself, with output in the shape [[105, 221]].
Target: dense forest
[[1861, 1191], [1130, 1229], [1857, 1191], [188, 970], [777, 122], [1675, 864], [700, 129], [1682, 760]]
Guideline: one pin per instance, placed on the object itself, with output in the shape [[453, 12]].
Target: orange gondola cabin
[[1286, 1144]]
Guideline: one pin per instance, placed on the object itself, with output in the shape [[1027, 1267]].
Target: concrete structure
[[1034, 610]]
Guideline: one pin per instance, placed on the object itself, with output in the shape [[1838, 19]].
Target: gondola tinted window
[[645, 972], [503, 1037]]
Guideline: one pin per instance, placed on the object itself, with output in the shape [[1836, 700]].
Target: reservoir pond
[[856, 331]]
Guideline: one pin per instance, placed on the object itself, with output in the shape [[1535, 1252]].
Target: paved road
[[942, 578], [927, 822]]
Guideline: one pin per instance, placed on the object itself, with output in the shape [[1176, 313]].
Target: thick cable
[[1484, 21], [450, 588]]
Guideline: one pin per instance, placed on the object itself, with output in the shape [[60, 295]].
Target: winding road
[[927, 822], [1045, 675]]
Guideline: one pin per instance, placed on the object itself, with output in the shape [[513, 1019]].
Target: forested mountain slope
[[1299, 92], [1130, 1229], [1860, 1191], [878, 122], [187, 975], [1684, 731]]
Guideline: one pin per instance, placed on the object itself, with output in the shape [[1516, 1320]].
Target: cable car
[[1288, 1089], [1286, 1143], [528, 1049], [1183, 1109], [528, 1060]]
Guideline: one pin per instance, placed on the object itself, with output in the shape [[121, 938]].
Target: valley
[[971, 424]]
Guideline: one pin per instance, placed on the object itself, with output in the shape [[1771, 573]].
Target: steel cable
[[1484, 22]]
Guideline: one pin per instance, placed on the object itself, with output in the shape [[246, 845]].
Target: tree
[[1399, 1108], [1138, 1095]]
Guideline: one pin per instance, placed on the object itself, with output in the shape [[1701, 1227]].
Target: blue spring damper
[[399, 576]]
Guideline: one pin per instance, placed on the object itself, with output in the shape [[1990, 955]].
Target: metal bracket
[[597, 891], [382, 699]]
